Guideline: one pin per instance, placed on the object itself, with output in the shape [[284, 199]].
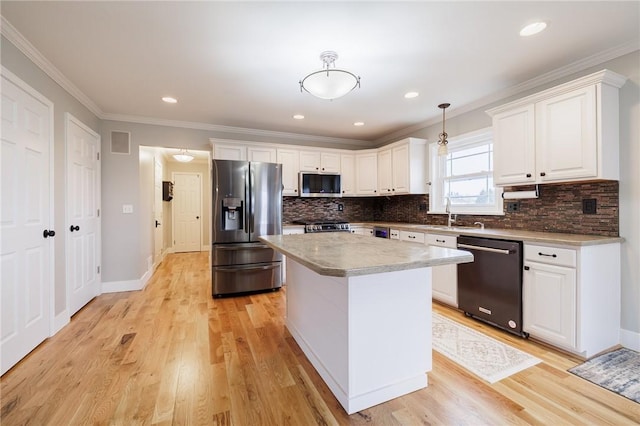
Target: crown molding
[[29, 50], [572, 68], [297, 137]]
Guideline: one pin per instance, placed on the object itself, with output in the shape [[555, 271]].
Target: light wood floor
[[172, 355]]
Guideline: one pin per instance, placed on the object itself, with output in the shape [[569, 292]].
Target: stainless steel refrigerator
[[247, 203]]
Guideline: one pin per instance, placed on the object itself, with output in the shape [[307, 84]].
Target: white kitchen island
[[360, 309]]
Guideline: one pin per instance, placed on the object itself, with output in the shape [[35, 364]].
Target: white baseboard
[[59, 321], [630, 339], [205, 247], [118, 286]]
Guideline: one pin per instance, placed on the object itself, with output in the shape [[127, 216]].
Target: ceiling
[[238, 64]]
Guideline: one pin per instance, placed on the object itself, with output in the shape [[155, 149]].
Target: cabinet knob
[[48, 233], [375, 191], [528, 175], [526, 268], [77, 228], [543, 174], [295, 190]]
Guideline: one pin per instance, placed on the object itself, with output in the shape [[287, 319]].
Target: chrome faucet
[[479, 223], [447, 208]]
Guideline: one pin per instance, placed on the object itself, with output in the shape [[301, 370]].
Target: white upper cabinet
[[402, 167], [230, 152], [514, 154], [566, 133], [348, 174], [367, 173], [318, 161], [262, 154], [289, 158]]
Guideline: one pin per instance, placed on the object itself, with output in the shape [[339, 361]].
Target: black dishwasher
[[490, 287]]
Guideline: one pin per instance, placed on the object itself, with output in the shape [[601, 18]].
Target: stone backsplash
[[558, 209]]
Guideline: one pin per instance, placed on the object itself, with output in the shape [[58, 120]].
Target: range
[[324, 225]]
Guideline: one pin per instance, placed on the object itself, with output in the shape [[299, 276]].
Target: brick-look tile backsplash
[[558, 209]]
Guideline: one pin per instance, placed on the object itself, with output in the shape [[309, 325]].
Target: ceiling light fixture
[[329, 83], [442, 142], [359, 123], [410, 95], [183, 156], [532, 29], [170, 100], [298, 117]]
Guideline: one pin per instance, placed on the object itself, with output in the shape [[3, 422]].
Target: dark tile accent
[[558, 209]]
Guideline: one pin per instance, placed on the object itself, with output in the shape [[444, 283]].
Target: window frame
[[438, 167]]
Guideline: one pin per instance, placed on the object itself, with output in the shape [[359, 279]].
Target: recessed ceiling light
[[170, 100], [410, 95], [299, 117], [359, 123], [532, 29]]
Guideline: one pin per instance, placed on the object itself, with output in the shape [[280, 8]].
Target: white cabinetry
[[289, 158], [394, 234], [262, 154], [566, 133], [412, 237], [571, 296], [362, 230], [402, 167], [348, 174], [317, 161], [444, 278], [367, 173], [230, 152]]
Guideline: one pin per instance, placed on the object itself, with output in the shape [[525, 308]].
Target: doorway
[[187, 211]]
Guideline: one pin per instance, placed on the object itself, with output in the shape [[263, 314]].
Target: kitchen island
[[360, 309]]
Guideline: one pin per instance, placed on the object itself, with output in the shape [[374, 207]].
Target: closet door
[[26, 220]]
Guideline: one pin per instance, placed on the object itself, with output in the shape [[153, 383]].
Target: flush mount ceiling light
[[442, 141], [358, 123], [183, 156], [532, 29], [170, 100], [330, 82], [410, 95], [298, 117]]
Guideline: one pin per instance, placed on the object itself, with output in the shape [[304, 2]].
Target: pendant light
[[442, 141], [183, 156], [329, 83]]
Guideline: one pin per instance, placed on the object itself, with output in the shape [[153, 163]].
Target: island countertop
[[341, 254]]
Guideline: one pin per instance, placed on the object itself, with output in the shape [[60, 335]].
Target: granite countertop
[[511, 234], [341, 254]]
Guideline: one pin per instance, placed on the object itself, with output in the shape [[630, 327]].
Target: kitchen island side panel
[[369, 337]]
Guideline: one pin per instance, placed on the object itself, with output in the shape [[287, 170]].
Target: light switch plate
[[127, 208]]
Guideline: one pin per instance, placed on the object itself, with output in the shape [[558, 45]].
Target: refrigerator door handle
[[253, 268], [252, 201]]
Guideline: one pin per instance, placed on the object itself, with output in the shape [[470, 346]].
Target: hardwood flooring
[[170, 354]]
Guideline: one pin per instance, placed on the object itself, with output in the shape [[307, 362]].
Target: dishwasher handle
[[480, 248]]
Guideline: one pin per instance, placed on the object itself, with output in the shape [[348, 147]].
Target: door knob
[[74, 228], [49, 233]]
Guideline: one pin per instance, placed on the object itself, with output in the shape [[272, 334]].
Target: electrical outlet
[[513, 206], [340, 207], [589, 206]]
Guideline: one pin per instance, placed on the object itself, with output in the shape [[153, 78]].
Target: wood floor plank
[[170, 354]]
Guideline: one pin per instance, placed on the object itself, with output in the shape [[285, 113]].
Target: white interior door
[[26, 218], [187, 214], [158, 240], [83, 222]]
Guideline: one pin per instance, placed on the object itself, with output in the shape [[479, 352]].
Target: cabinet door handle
[[548, 255], [528, 175], [48, 233], [439, 241], [543, 174], [77, 228], [526, 268]]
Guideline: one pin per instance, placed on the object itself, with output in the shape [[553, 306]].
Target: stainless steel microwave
[[319, 185]]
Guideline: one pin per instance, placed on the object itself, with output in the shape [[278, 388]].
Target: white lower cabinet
[[444, 279], [394, 234], [362, 230], [571, 296], [412, 237]]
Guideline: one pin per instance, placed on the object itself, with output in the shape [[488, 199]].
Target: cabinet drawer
[[394, 234], [414, 237], [550, 255], [448, 241]]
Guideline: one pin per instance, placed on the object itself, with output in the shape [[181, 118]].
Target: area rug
[[482, 355], [617, 371]]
